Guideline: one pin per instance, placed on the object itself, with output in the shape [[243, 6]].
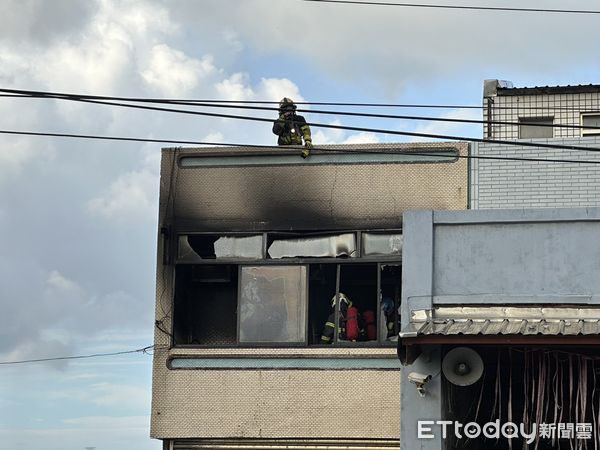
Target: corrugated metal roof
[[504, 321], [569, 89]]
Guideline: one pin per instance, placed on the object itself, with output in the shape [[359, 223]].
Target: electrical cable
[[74, 97], [62, 358], [338, 127], [477, 8], [12, 93], [324, 149]]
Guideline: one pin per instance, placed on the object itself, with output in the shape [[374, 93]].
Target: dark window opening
[[205, 308], [321, 290], [203, 245], [391, 280], [294, 304], [359, 283]]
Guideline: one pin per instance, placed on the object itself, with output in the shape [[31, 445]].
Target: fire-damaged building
[[261, 253], [500, 326]]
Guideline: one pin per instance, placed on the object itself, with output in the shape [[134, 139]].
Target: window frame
[[587, 131], [531, 122], [379, 261]]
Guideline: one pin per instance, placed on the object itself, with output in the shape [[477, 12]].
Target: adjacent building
[[500, 307], [500, 323], [562, 116], [540, 112]]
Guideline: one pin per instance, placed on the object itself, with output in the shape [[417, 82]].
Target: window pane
[[273, 304], [590, 120], [201, 246], [382, 244], [318, 246], [529, 127]]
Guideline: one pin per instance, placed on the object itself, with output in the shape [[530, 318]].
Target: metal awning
[[486, 320]]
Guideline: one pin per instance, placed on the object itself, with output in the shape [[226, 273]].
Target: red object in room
[[352, 324], [370, 325]]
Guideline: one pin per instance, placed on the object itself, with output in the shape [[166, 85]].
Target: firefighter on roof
[[292, 128]]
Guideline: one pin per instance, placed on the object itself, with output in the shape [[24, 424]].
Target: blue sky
[[78, 218]]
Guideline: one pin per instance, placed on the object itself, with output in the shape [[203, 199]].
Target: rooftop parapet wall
[[340, 187]]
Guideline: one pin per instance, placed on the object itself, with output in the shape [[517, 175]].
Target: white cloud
[[62, 284], [216, 136], [112, 395], [362, 138], [235, 88], [324, 136], [451, 128], [132, 195], [172, 73], [274, 89]]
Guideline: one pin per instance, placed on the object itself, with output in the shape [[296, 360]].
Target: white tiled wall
[[525, 184]]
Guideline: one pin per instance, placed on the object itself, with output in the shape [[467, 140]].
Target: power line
[[322, 125], [19, 93], [324, 149], [100, 100], [270, 120], [62, 358], [475, 8]]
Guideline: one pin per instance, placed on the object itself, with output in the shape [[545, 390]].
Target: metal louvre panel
[[529, 327], [298, 196]]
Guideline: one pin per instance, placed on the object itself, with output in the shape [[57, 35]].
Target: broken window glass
[[273, 304], [207, 246], [317, 246], [381, 244]]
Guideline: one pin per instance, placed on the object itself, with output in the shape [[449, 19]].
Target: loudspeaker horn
[[462, 366]]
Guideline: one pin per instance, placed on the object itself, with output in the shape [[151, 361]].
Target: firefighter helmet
[[344, 300], [286, 104]]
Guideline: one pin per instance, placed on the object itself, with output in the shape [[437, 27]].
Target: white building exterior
[[535, 115], [533, 110]]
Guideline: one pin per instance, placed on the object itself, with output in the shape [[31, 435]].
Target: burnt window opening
[[205, 305], [359, 289], [294, 304], [195, 247]]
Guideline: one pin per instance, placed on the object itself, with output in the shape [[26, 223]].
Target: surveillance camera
[[419, 380]]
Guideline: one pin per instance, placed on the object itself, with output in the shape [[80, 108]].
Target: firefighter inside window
[[353, 325]]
